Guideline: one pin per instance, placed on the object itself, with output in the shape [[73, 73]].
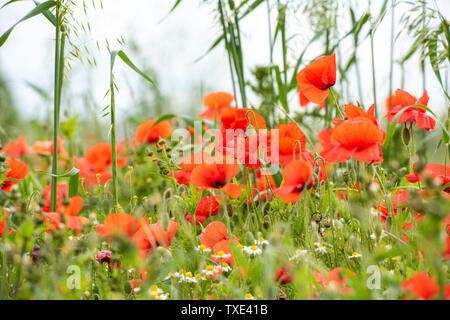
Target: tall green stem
[[59, 74], [113, 139]]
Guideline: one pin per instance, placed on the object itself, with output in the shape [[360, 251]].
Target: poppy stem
[[332, 94]]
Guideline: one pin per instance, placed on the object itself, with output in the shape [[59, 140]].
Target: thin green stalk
[[272, 92], [59, 70], [113, 140], [227, 47], [391, 66], [374, 84]]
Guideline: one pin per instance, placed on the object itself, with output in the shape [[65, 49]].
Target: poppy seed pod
[[2, 157]]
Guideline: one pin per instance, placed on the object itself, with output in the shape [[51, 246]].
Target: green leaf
[[9, 2], [36, 11], [73, 184], [50, 16], [128, 62], [282, 95]]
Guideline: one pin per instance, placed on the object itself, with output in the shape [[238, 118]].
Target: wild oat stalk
[[58, 82]]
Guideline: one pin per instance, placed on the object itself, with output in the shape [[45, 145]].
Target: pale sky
[[170, 46]]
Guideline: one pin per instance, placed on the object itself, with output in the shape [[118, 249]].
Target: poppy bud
[[165, 220], [35, 253], [2, 157], [345, 176], [266, 220], [317, 216], [42, 202], [325, 224], [406, 136], [65, 201], [229, 209], [249, 238]]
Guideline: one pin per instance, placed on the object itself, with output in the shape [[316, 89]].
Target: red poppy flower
[[121, 223], [207, 206], [214, 232], [90, 175], [283, 139], [3, 226], [46, 147], [322, 165], [283, 274], [400, 199], [17, 171], [446, 252], [148, 133], [216, 103], [336, 279], [241, 118], [154, 235], [438, 173], [297, 176], [216, 176], [403, 100], [188, 163], [352, 111], [17, 149], [245, 149], [316, 79], [222, 252], [99, 156], [421, 285], [303, 101], [357, 137]]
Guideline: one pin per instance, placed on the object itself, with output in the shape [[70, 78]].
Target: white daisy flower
[[224, 267], [249, 296], [221, 255], [252, 250], [163, 296], [261, 241], [320, 248], [209, 270], [188, 277], [202, 248], [355, 255], [299, 253]]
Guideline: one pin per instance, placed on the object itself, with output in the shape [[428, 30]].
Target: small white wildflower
[[249, 296], [355, 255], [188, 277], [209, 270], [261, 241], [224, 267], [298, 254], [320, 248], [202, 248], [221, 255], [252, 250]]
